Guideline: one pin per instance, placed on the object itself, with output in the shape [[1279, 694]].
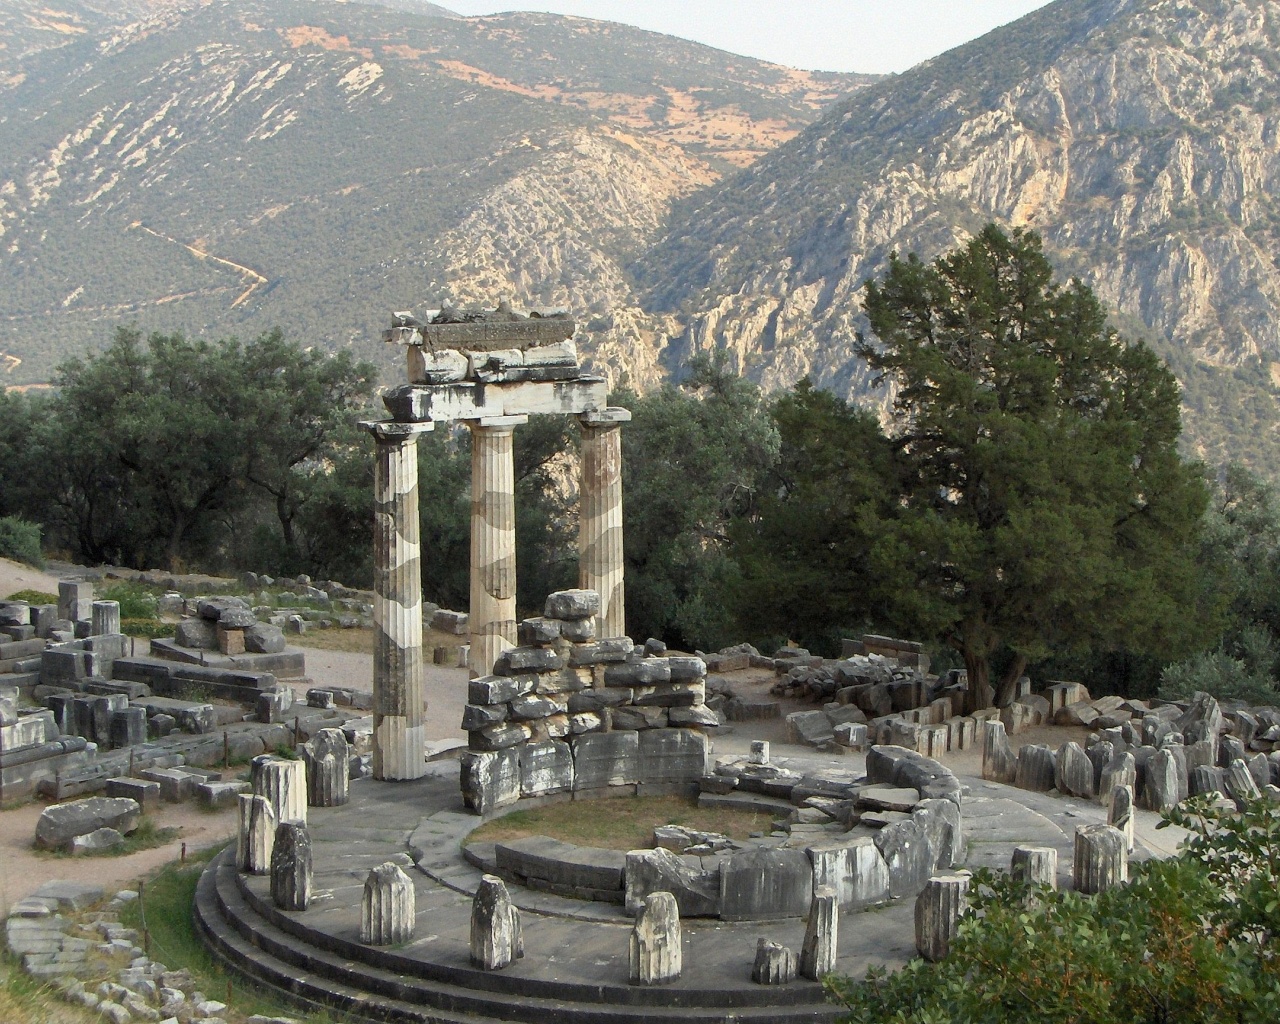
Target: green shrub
[[20, 540], [147, 628], [1195, 938], [137, 600], [1219, 674]]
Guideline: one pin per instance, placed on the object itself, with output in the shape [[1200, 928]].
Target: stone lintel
[[605, 417], [443, 403], [485, 335], [503, 421], [393, 430]]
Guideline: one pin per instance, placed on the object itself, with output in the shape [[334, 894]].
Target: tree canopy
[[1043, 502]]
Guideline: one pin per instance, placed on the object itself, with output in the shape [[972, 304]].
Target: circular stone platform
[[575, 967]]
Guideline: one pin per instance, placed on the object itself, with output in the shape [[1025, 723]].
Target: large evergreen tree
[[1044, 503]]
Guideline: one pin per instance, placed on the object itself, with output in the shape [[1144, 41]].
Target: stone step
[[250, 943], [755, 803]]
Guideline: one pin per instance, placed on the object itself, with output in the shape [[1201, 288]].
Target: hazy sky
[[827, 35]]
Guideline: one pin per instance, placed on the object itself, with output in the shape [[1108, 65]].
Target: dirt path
[[15, 576], [25, 870]]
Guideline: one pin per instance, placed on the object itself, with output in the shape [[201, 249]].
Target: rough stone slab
[[61, 823], [546, 767], [563, 863], [696, 891], [673, 755]]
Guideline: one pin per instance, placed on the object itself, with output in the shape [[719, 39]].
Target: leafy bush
[[137, 600], [146, 628], [20, 540], [1192, 938], [1219, 674]]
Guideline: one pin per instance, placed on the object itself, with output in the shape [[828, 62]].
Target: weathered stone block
[[1037, 865], [999, 763], [1037, 768], [908, 856], [606, 759], [672, 755], [572, 604], [1073, 771], [198, 633], [490, 780], [775, 964], [545, 767], [256, 837], [499, 689], [810, 728], [645, 672], [1101, 858], [326, 757], [763, 884], [696, 891]]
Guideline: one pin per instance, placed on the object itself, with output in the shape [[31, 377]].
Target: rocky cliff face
[[221, 168], [1139, 137]]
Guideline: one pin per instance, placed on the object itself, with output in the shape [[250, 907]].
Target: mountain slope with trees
[[1138, 137], [231, 167]]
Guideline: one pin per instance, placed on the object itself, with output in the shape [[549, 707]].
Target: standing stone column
[[818, 953], [399, 738], [497, 940], [1035, 864], [600, 562], [291, 867], [106, 617], [257, 836], [1101, 859], [387, 907], [655, 954], [493, 541], [1120, 814], [328, 771], [284, 783], [938, 908]]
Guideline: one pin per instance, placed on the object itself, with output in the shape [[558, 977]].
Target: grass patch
[[24, 1000], [33, 597], [147, 836], [625, 824], [353, 641], [146, 628], [165, 912]]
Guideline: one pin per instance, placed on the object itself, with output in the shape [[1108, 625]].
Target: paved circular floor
[[575, 966]]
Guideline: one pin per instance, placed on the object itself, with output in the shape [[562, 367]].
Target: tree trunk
[[980, 693], [1009, 684]]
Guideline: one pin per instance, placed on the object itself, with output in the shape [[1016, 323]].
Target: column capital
[[498, 422], [393, 431], [610, 417]]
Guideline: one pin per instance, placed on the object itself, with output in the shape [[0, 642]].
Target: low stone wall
[[567, 713], [871, 839]]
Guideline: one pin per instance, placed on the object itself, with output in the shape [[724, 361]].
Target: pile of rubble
[[68, 935]]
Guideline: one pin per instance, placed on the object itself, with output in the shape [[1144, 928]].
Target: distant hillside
[[221, 168], [1138, 136]]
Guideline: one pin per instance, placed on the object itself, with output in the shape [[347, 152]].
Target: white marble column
[[399, 691], [493, 540], [600, 559]]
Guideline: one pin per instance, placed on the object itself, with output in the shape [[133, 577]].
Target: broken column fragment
[[497, 940], [655, 955], [387, 907]]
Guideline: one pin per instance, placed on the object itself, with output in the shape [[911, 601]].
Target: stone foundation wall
[[567, 713]]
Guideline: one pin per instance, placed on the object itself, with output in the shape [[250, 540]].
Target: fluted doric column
[[600, 562], [399, 738], [493, 540]]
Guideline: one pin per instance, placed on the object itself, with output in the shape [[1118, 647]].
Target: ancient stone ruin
[[492, 371]]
